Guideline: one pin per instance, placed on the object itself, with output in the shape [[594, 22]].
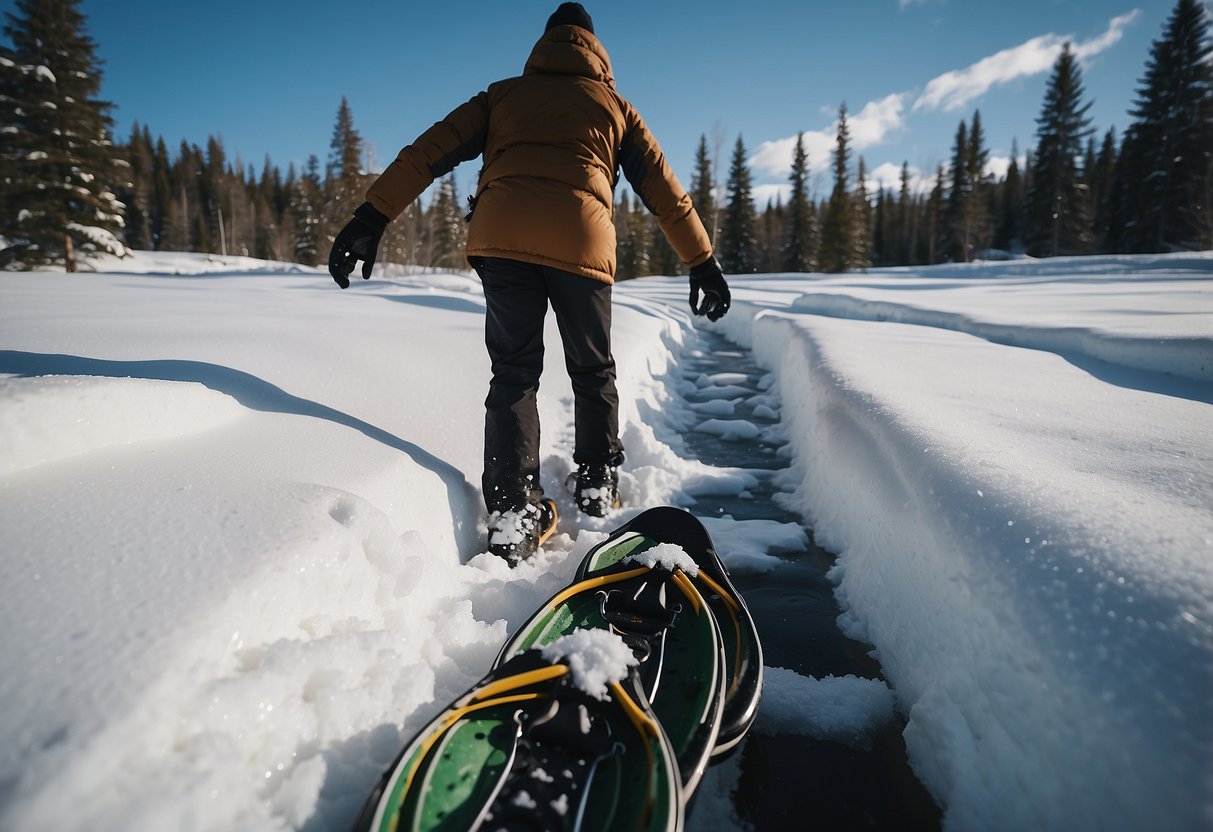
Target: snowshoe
[[742, 648], [631, 586], [528, 748], [517, 535]]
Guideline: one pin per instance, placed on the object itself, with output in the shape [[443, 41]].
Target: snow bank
[[1027, 541], [57, 417]]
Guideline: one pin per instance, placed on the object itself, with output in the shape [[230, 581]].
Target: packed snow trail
[[826, 750]]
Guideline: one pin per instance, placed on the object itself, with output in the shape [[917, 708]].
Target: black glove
[[708, 277], [359, 240]]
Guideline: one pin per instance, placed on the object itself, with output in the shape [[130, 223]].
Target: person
[[541, 232]]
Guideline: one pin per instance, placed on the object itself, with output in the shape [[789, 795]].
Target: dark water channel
[[796, 782]]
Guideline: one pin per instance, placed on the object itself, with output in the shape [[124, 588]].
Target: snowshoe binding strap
[[641, 611], [546, 784]]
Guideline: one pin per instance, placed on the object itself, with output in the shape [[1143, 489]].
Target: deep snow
[[242, 541]]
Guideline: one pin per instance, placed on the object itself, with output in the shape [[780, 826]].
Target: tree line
[[66, 185], [199, 200]]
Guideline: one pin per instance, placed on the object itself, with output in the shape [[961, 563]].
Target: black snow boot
[[597, 488], [517, 535]]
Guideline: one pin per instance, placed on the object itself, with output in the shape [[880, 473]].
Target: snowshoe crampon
[[527, 749]]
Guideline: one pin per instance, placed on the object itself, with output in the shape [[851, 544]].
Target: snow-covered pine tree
[[738, 248], [800, 221], [59, 163], [838, 226], [702, 180], [1169, 146], [1058, 212]]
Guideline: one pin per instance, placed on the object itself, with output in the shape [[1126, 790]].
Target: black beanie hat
[[571, 14]]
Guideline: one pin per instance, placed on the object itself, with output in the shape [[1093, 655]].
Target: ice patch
[[719, 408], [596, 658], [849, 709], [729, 391], [730, 430]]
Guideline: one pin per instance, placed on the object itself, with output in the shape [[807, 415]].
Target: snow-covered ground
[[241, 534]]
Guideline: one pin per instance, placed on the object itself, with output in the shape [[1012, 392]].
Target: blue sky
[[268, 75]]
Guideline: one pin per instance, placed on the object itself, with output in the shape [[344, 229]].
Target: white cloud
[[1116, 30], [953, 90], [876, 120], [769, 193], [869, 127], [888, 177]]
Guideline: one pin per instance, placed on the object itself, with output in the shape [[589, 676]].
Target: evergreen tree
[[955, 217], [798, 248], [137, 196], [881, 229], [626, 255], [929, 240], [642, 238], [307, 204], [838, 228], [446, 227], [702, 179], [1172, 147], [770, 243], [1103, 193], [1008, 235], [904, 237], [861, 245], [1058, 217], [58, 161], [162, 193], [661, 254], [738, 238], [344, 183], [978, 209]]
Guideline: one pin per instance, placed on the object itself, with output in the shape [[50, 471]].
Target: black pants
[[517, 296]]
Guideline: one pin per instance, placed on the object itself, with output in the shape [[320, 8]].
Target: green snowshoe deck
[[524, 749]]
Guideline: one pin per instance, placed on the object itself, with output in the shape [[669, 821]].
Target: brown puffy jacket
[[553, 141]]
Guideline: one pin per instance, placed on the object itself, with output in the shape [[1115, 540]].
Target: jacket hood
[[571, 50]]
